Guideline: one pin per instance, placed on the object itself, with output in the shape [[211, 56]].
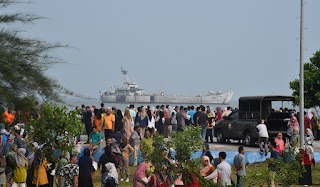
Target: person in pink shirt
[[280, 143]]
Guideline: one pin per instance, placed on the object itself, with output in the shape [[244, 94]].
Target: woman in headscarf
[[10, 159], [20, 168], [293, 125], [280, 143], [307, 154], [218, 114], [108, 156], [3, 164], [40, 168], [85, 169], [118, 121], [140, 178], [127, 119], [309, 136], [206, 152], [207, 168], [111, 180], [214, 175]]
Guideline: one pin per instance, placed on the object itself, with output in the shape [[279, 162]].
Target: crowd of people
[[126, 133]]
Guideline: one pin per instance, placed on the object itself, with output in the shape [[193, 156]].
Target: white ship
[[129, 92]]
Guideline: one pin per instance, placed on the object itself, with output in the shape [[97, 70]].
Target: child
[[126, 151]]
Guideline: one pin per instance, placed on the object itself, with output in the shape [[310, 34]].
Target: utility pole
[[301, 94]]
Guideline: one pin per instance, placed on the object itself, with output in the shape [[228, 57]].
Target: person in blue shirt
[[191, 114]]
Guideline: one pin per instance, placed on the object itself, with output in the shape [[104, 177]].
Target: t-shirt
[[133, 115], [95, 137], [237, 161], [69, 172], [225, 170], [191, 113], [202, 120], [108, 121], [263, 132], [7, 117]]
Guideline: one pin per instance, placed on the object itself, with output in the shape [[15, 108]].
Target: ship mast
[[125, 76]]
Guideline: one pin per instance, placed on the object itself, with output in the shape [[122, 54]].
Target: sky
[[180, 47]]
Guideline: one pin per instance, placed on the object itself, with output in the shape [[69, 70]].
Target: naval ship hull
[[219, 98]]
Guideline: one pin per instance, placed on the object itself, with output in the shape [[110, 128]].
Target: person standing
[[97, 117], [87, 118], [314, 125], [307, 159], [70, 173], [191, 113], [133, 114], [126, 152], [307, 122], [20, 169], [159, 121], [135, 140], [108, 122], [239, 166], [127, 119], [151, 122], [181, 119], [40, 168], [224, 171], [85, 169], [174, 122], [118, 121], [263, 137], [203, 122]]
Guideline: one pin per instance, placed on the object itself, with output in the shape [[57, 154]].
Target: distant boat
[[129, 92]]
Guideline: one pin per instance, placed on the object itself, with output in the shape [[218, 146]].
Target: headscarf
[[86, 152], [310, 115], [205, 171], [112, 172], [3, 162], [20, 158], [141, 171], [11, 150], [280, 143], [309, 136]]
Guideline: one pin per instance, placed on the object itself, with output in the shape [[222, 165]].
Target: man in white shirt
[[263, 137], [224, 171]]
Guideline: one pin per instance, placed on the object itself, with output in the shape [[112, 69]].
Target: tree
[[180, 146], [23, 62], [311, 83], [55, 131]]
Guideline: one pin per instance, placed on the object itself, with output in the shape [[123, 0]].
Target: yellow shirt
[[108, 121], [43, 179]]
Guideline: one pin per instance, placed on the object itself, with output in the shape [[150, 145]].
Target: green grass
[[252, 170]]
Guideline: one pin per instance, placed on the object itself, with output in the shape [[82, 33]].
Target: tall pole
[[301, 77]]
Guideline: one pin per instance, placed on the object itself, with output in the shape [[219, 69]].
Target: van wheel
[[248, 141], [220, 137]]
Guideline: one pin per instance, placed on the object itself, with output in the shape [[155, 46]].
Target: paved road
[[232, 146]]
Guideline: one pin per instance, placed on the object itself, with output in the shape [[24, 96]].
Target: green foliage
[[184, 145], [56, 130], [288, 171], [311, 82]]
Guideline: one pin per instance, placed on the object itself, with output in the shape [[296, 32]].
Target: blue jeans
[[203, 133]]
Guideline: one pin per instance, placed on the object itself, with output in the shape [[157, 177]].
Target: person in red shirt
[[307, 159], [307, 122]]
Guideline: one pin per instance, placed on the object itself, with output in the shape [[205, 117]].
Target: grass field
[[251, 171]]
